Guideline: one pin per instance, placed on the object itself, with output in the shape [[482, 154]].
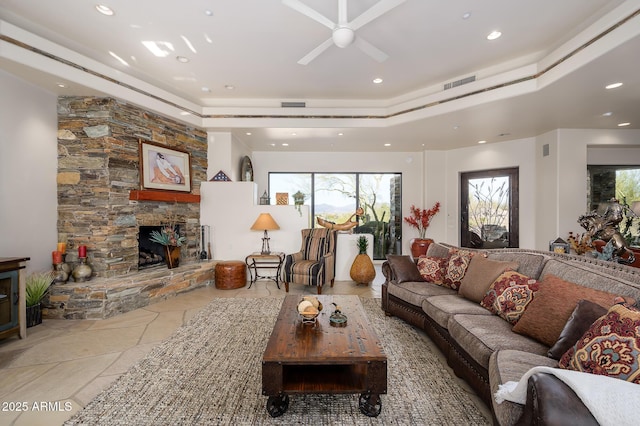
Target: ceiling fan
[[344, 32]]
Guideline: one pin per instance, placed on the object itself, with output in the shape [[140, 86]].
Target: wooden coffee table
[[322, 359]]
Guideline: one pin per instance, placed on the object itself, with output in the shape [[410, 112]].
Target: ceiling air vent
[[459, 82], [293, 104]]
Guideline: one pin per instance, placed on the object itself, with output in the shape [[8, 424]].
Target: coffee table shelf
[[321, 359]]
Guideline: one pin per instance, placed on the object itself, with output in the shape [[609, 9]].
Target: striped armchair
[[315, 263]]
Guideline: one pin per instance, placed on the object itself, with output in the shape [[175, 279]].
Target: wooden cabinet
[[13, 311]]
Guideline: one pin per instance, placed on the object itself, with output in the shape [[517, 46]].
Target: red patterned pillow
[[433, 269], [611, 346], [457, 265], [509, 295]]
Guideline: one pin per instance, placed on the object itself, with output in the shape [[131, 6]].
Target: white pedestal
[[346, 252]]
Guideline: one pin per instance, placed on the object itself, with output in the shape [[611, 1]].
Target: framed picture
[[164, 168]]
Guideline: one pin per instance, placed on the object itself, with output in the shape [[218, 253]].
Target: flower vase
[[419, 247], [82, 272], [362, 270], [172, 256]]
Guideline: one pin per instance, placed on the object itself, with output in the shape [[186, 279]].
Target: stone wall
[[98, 165]]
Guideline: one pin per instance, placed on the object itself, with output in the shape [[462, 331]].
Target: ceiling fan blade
[[375, 11], [298, 6], [342, 13], [370, 49], [316, 52]]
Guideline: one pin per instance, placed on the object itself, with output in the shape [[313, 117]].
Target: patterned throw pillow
[[509, 295], [433, 269], [611, 346], [457, 265]]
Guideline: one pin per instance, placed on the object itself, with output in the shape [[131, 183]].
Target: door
[[489, 208]]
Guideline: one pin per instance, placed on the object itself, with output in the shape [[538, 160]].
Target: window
[[336, 196], [489, 209]]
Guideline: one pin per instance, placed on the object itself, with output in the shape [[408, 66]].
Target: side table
[[256, 261]]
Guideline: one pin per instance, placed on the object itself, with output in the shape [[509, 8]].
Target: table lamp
[[265, 223]]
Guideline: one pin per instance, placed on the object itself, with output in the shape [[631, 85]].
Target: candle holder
[[82, 271]]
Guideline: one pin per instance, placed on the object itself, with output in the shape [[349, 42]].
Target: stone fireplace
[[98, 169], [101, 205]]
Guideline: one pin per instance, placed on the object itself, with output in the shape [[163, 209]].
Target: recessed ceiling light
[[61, 85], [482, 141], [387, 144], [248, 133], [466, 15], [293, 134], [229, 86], [285, 144], [607, 114], [613, 86], [340, 134], [105, 10], [494, 35], [377, 80], [182, 59], [624, 124], [122, 61], [208, 12]]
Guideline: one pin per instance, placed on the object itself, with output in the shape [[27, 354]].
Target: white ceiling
[[254, 46]]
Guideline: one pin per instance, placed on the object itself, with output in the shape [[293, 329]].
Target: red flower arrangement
[[421, 218]]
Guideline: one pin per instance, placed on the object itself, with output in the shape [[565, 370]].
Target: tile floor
[[64, 364]]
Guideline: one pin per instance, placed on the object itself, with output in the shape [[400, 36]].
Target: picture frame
[[163, 168]]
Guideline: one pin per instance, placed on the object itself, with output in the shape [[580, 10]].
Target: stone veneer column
[[98, 164]]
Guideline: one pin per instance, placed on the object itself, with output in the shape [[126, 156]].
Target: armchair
[[315, 263]]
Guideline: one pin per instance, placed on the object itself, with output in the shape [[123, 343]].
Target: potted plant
[[362, 270], [421, 219], [169, 237], [37, 286]]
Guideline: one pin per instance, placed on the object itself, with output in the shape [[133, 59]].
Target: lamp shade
[[264, 222]]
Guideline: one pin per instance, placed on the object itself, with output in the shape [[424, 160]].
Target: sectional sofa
[[488, 348]]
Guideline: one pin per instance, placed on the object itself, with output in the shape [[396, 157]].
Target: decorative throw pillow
[[433, 269], [583, 316], [509, 295], [457, 265], [404, 268], [552, 306], [611, 346], [480, 274]]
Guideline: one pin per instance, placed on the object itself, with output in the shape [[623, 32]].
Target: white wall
[[407, 163], [28, 170]]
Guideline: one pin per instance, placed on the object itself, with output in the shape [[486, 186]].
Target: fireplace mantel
[[176, 197]]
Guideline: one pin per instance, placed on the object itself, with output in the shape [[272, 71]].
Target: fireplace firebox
[[151, 253]]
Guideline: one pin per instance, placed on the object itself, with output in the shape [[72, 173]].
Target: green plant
[[37, 286], [167, 236], [362, 244]]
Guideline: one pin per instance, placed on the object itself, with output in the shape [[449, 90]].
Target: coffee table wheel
[[370, 404], [277, 405]]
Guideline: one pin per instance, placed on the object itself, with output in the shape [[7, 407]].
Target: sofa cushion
[[585, 314], [415, 292], [404, 269], [437, 250], [552, 306], [509, 295], [441, 308], [480, 274], [509, 366], [481, 335], [432, 269], [611, 346], [530, 264], [456, 267]]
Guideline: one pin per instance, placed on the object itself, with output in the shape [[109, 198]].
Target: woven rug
[[209, 373]]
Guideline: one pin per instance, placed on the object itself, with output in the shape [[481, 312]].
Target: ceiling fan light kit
[[344, 32]]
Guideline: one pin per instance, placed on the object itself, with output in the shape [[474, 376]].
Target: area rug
[[209, 373]]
